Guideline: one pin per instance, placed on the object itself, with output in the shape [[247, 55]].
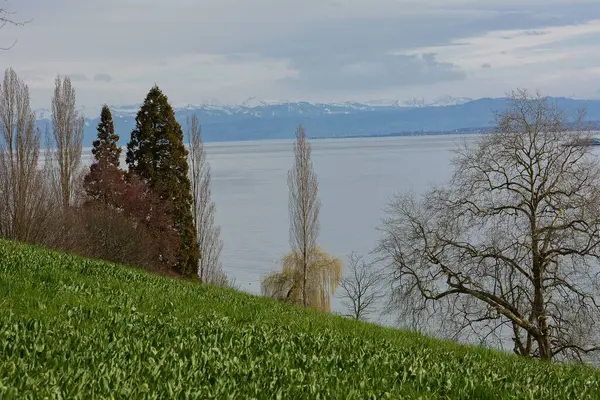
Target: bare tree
[[208, 234], [22, 205], [509, 250], [304, 206], [361, 289], [313, 289], [67, 132]]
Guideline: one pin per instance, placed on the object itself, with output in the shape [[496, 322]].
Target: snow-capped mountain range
[[258, 107], [256, 119]]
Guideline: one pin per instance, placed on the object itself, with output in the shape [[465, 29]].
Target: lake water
[[357, 179]]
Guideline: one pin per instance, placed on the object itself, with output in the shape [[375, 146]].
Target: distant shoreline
[[404, 134], [464, 131]]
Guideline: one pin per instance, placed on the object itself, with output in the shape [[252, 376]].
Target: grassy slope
[[74, 327]]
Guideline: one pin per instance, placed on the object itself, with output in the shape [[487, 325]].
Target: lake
[[357, 179]]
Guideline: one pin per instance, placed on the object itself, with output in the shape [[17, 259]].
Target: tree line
[[506, 253], [158, 213], [149, 215]]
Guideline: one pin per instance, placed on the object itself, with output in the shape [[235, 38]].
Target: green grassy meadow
[[77, 328]]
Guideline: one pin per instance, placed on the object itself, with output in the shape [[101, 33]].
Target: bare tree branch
[[6, 18]]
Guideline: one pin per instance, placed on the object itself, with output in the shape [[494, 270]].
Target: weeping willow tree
[[323, 275]]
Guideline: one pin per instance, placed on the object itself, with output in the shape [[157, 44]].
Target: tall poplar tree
[[156, 153], [304, 206], [208, 233], [22, 198], [67, 132], [310, 276]]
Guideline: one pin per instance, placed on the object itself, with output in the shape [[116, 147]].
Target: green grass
[[77, 328]]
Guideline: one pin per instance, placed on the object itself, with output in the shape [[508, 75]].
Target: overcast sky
[[317, 50]]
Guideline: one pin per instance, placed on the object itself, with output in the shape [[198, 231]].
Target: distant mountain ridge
[[260, 120]]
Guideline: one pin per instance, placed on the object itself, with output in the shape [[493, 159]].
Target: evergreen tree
[[156, 153], [104, 180]]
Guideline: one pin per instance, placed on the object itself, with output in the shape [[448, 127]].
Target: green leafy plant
[[77, 328]]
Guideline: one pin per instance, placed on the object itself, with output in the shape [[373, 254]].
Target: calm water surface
[[357, 179]]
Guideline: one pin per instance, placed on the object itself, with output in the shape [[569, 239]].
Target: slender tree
[[104, 179], [310, 276], [21, 192], [208, 234], [67, 132], [156, 153], [508, 251], [304, 206]]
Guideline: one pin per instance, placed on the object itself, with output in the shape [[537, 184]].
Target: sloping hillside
[[78, 328]]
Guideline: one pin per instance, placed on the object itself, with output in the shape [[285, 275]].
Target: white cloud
[[508, 48]]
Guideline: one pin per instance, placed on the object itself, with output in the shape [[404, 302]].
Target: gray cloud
[[353, 54], [78, 77], [266, 26], [103, 78], [350, 73], [403, 32], [535, 33], [486, 65]]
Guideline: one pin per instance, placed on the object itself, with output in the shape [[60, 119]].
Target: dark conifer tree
[[104, 181], [157, 155]]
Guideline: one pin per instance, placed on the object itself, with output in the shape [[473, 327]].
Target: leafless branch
[[6, 18]]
